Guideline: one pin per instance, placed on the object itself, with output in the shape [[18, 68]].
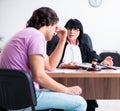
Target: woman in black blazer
[[77, 51]]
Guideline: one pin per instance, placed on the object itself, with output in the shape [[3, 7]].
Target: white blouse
[[72, 53]]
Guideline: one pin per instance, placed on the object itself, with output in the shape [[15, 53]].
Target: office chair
[[17, 91], [87, 40], [51, 45], [114, 55]]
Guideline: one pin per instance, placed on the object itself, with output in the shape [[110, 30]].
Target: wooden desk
[[103, 84]]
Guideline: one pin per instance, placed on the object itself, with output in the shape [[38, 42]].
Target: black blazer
[[87, 52]]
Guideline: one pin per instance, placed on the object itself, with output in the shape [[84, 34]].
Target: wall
[[101, 23]]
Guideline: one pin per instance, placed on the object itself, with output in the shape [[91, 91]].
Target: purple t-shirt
[[15, 53]]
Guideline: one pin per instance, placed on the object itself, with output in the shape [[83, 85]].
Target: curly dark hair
[[43, 16]]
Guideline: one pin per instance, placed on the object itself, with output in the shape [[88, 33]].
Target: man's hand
[[62, 33], [75, 90]]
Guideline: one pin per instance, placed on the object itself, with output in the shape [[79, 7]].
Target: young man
[[27, 51]]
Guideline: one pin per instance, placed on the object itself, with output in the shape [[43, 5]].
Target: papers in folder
[[88, 65]]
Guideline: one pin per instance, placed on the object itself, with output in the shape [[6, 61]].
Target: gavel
[[94, 65]]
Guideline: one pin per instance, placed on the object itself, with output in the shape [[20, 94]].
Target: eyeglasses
[[73, 29]]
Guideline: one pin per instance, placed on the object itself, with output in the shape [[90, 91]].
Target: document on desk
[[88, 65], [65, 71]]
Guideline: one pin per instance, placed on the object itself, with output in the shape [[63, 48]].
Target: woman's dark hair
[[74, 24], [43, 16]]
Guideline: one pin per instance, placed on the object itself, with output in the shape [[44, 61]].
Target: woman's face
[[73, 34]]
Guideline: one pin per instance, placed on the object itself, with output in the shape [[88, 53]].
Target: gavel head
[[94, 62]]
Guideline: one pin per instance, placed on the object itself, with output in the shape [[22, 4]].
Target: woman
[[76, 52]]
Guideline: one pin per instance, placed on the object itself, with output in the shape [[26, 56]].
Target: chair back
[[16, 89], [51, 45], [87, 40]]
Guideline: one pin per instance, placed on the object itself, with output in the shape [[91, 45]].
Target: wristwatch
[[95, 3]]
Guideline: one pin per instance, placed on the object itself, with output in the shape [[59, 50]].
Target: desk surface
[[71, 73], [104, 84]]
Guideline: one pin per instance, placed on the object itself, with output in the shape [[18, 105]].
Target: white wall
[[101, 23]]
